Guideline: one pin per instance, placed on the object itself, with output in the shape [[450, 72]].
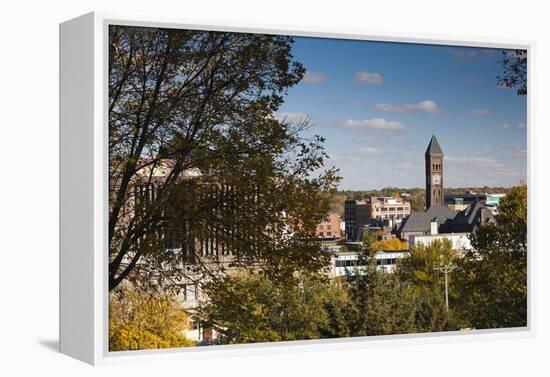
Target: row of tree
[[487, 289]]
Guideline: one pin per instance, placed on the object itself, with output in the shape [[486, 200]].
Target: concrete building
[[349, 262], [356, 217], [493, 201], [456, 204], [461, 202], [383, 212], [459, 241], [386, 207]]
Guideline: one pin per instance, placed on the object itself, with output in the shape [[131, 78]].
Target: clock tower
[[434, 174]]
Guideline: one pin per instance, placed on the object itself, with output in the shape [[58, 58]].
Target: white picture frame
[[83, 188]]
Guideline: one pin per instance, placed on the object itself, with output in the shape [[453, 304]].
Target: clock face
[[436, 179]]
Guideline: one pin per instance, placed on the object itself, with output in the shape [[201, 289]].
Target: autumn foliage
[[139, 320], [390, 244]]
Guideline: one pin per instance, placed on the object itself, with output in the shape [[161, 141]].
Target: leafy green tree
[[340, 311], [430, 313], [254, 308], [419, 267], [368, 239], [419, 270], [145, 320], [514, 66], [382, 304], [184, 101], [492, 277]]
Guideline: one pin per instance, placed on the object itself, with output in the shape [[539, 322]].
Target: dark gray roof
[[469, 219], [420, 221], [449, 221], [434, 148]]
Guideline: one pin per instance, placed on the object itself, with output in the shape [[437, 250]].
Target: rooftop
[[449, 221]]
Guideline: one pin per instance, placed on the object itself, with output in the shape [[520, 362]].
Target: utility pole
[[446, 269]]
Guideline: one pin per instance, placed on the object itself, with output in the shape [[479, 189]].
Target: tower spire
[[433, 148]]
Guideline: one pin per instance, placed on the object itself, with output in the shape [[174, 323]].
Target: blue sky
[[378, 104]]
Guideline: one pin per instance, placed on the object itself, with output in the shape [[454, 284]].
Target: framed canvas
[[247, 189]]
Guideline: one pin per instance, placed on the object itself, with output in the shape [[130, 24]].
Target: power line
[[446, 269]]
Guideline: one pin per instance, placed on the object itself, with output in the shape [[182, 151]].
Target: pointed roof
[[421, 221], [434, 148]]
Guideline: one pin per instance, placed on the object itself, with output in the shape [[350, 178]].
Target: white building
[[348, 263], [459, 241]]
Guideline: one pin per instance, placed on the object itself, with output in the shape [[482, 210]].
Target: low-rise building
[[376, 211], [349, 262], [330, 228], [384, 207], [461, 202], [459, 241], [456, 204], [493, 201]]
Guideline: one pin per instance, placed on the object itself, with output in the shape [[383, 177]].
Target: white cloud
[[376, 123], [292, 117], [481, 168], [486, 164], [369, 78], [522, 125], [314, 77], [427, 106], [504, 125], [471, 160], [367, 150], [472, 53], [482, 112]]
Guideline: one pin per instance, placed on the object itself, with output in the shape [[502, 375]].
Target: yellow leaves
[[390, 244], [139, 320], [421, 276]]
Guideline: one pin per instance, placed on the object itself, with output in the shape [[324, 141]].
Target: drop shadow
[[52, 345]]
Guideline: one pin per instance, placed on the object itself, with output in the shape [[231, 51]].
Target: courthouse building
[[440, 220]]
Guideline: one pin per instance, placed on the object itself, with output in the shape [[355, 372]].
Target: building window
[[321, 227]]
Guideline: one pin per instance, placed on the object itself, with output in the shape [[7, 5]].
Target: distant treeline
[[413, 195]]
